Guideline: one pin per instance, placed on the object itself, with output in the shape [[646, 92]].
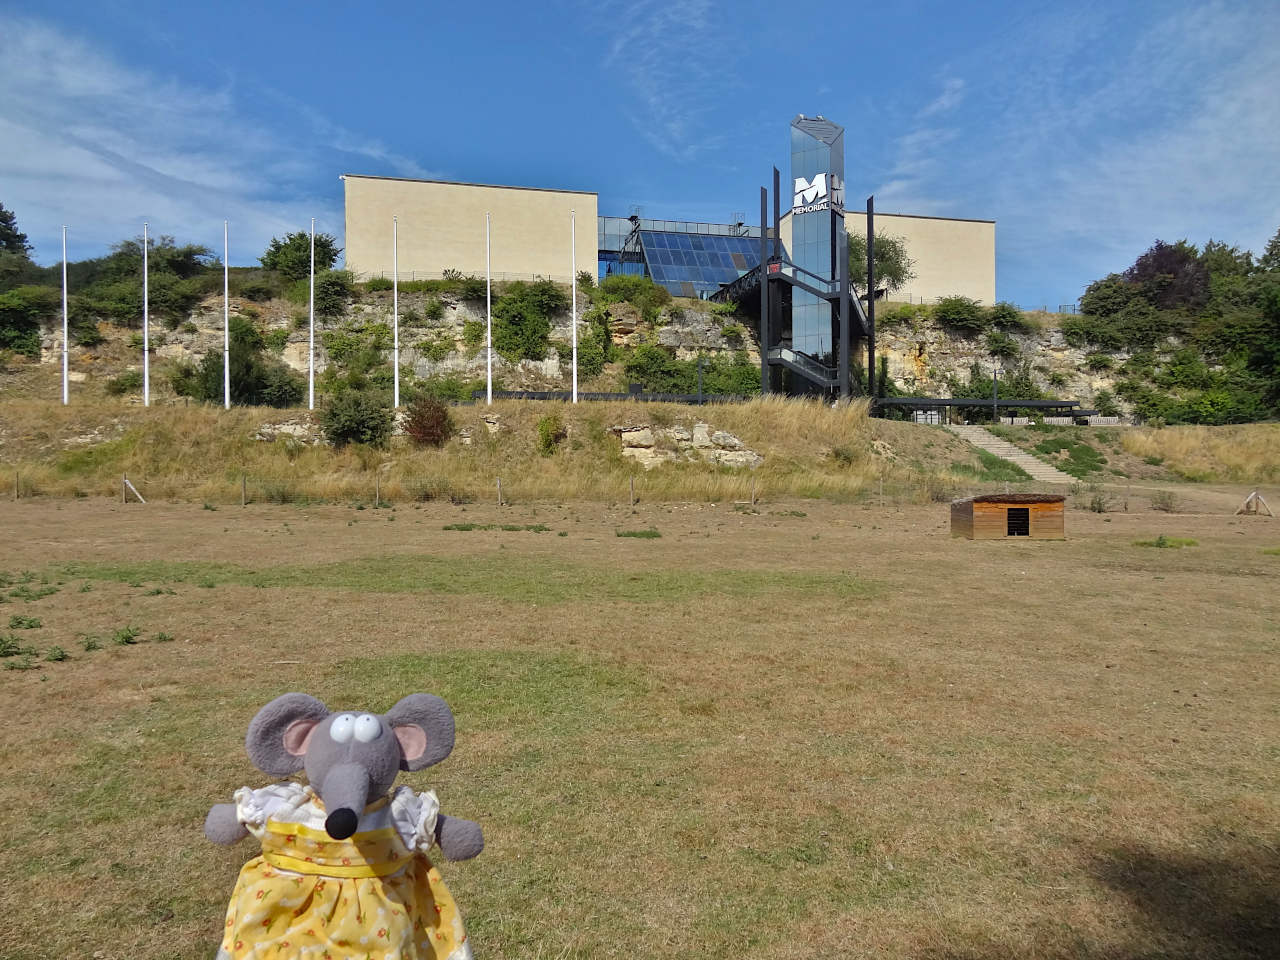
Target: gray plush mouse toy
[[344, 869]]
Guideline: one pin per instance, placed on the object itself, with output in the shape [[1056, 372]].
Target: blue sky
[[1086, 130]]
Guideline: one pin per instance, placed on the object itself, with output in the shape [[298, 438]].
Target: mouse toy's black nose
[[341, 823]]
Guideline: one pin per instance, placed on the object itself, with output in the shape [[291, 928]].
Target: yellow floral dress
[[373, 896]]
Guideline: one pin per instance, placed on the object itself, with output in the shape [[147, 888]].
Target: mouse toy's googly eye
[[367, 728], [342, 728]]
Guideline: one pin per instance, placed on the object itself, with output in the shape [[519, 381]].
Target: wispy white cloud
[[678, 66], [1087, 136], [951, 95], [101, 146]]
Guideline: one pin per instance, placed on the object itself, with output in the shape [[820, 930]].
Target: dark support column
[[871, 298], [995, 394], [764, 290], [777, 216], [846, 318]]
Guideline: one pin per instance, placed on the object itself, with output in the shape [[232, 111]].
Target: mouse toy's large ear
[[279, 733], [423, 723]]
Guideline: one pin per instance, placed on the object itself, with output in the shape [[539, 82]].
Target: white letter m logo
[[809, 192]]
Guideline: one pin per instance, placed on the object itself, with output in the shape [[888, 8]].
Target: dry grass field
[[805, 730]]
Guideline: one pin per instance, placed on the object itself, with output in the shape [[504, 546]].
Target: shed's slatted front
[[993, 517]]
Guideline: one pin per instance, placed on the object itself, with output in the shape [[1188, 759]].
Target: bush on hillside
[[256, 380], [1007, 317], [642, 292], [962, 314], [659, 371], [428, 422], [358, 416], [522, 319], [551, 433]]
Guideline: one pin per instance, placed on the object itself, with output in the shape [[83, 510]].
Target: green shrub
[[374, 284], [1166, 501], [1105, 403], [276, 340], [962, 314], [450, 388], [435, 349], [56, 655], [357, 416], [1006, 316], [128, 382], [473, 334], [642, 292], [551, 433], [1002, 345], [522, 319], [1097, 362], [650, 534], [428, 422], [433, 310], [259, 291], [333, 289], [255, 379]]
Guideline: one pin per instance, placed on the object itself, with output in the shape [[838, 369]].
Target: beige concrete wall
[[951, 256], [441, 227]]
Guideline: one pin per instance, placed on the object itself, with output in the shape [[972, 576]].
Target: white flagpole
[[226, 320], [146, 326], [65, 396], [573, 284], [311, 313], [488, 322], [395, 305]]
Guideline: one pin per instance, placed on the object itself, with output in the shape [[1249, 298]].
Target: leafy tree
[[1222, 260], [658, 370], [1270, 260], [1170, 275], [893, 266], [291, 257], [1006, 316], [12, 240], [255, 379], [21, 312], [428, 421]]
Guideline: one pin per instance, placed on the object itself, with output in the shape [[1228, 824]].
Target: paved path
[[1037, 468]]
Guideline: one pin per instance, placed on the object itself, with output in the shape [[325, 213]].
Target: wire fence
[[911, 298], [409, 276]]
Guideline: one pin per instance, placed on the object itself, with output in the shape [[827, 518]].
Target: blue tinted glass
[[697, 243]]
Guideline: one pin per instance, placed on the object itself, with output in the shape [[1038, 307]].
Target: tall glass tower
[[817, 226]]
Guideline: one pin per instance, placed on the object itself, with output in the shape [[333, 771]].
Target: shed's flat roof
[[1014, 498]]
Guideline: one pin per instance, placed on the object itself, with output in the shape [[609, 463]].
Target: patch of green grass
[[787, 513], [162, 638], [12, 646], [1167, 543], [650, 534], [992, 469], [25, 662], [515, 578], [159, 591], [91, 643], [126, 636], [1081, 459], [56, 655], [19, 622], [1273, 552], [29, 595]]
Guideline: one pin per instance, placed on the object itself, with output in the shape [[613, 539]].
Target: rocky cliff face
[[923, 356]]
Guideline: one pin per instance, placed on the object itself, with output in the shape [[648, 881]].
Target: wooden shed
[[1000, 516]]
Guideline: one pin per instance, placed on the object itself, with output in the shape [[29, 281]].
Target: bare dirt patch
[[806, 729]]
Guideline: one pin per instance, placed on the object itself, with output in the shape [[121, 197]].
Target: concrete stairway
[[1038, 469]]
